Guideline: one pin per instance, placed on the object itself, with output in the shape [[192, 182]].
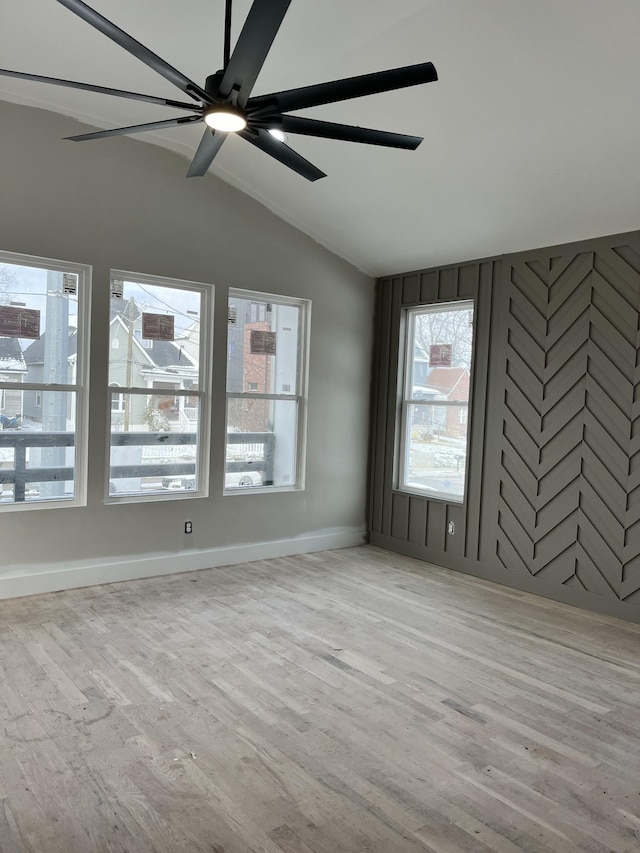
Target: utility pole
[[127, 381], [56, 369]]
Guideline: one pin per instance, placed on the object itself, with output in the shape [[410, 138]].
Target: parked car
[[232, 480], [242, 479], [179, 484]]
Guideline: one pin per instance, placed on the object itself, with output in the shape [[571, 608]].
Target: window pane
[[154, 444], [38, 325], [436, 450], [154, 333], [262, 347], [38, 459], [261, 443], [438, 356], [41, 343], [440, 359]]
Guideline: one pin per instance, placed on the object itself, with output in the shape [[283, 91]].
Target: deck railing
[[21, 472], [20, 475]]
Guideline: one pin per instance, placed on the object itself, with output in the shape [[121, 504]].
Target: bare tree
[[8, 282], [453, 327]]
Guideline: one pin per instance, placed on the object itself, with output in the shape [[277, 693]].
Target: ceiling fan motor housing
[[212, 84]]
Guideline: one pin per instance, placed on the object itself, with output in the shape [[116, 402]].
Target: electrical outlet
[[188, 527], [451, 528]]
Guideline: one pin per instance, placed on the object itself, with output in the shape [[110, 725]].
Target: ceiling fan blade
[[210, 144], [348, 133], [135, 128], [101, 90], [341, 90], [263, 140], [95, 19], [252, 47]]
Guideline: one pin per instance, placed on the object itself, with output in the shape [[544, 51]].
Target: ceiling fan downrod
[[227, 33]]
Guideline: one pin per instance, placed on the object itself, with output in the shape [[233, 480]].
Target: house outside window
[[159, 400], [437, 355], [267, 355], [44, 310]]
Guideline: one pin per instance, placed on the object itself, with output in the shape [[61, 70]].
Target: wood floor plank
[[338, 702]]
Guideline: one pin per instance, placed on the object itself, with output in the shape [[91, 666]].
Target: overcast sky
[[30, 289]]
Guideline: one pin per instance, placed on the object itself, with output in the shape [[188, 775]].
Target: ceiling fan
[[225, 105]]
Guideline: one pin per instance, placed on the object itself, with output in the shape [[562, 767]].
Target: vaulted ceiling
[[531, 134]]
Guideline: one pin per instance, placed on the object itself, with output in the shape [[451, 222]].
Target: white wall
[[125, 204]]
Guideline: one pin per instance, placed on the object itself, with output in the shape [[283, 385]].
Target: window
[[266, 391], [438, 350], [117, 400], [158, 380], [44, 309], [258, 312]]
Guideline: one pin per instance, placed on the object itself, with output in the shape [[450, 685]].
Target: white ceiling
[[532, 133]]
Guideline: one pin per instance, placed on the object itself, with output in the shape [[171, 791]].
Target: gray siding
[[553, 492]]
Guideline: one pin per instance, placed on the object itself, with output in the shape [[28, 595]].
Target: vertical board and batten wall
[[553, 488]]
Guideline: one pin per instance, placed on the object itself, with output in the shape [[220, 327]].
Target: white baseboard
[[52, 577]]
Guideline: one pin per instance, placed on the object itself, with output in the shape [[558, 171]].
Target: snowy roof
[[11, 357], [34, 353], [445, 379], [10, 348], [167, 354]]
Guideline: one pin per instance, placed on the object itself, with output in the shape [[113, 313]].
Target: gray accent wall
[[125, 204], [553, 480]]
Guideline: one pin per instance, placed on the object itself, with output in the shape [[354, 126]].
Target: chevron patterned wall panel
[[553, 496], [567, 502]]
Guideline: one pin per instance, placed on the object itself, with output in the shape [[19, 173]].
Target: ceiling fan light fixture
[[278, 134], [226, 118]]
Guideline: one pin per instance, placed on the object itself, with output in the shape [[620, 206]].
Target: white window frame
[[80, 388], [407, 399], [203, 393], [302, 385]]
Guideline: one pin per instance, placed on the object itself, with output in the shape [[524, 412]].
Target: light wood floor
[[347, 701]]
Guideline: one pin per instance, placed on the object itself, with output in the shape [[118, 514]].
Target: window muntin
[[438, 351], [44, 309], [158, 375], [266, 391]]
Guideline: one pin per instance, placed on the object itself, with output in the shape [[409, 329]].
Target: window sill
[[430, 496], [261, 490]]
